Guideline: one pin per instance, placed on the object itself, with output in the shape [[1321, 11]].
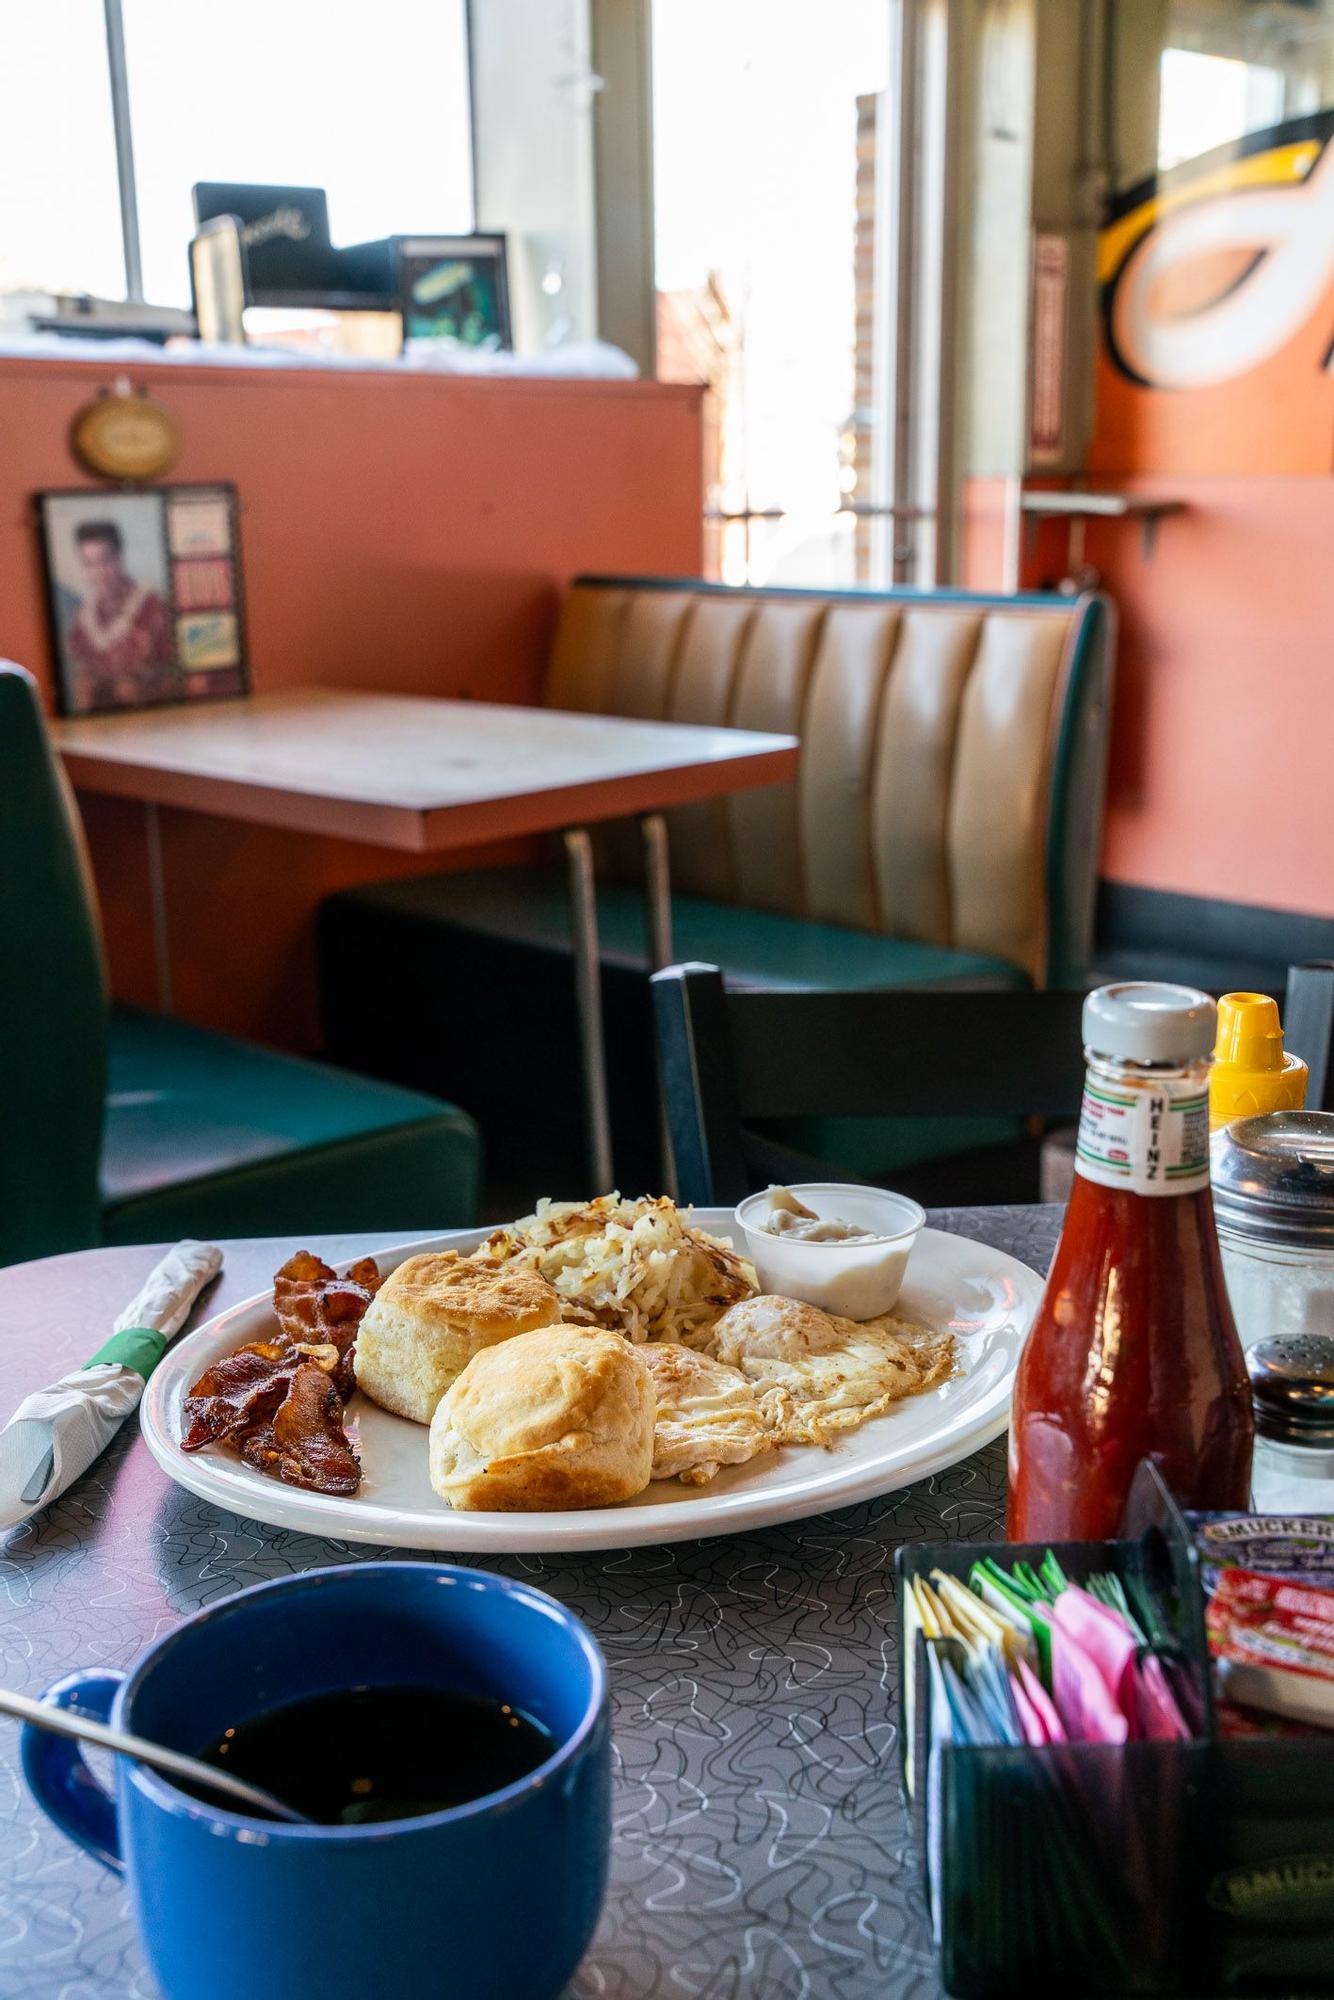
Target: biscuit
[[431, 1316], [558, 1419]]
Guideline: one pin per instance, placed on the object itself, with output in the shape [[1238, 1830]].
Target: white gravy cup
[[859, 1279]]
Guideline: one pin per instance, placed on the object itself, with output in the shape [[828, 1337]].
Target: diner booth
[[667, 1004]]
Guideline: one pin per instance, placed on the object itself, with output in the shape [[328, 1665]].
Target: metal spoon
[[190, 1770]]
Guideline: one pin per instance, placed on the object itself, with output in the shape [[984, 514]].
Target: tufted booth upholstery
[[942, 830], [952, 761]]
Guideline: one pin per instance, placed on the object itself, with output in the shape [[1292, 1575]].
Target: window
[[368, 102], [1230, 70], [1206, 101], [59, 206], [764, 139]]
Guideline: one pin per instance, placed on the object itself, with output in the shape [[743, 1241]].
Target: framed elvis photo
[[144, 590], [454, 288]]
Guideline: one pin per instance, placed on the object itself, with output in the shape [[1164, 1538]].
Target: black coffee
[[375, 1753]]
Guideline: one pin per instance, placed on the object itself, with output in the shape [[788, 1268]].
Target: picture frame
[[454, 288], [144, 595]]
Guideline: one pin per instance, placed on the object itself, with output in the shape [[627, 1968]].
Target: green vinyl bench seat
[[530, 906], [209, 1136], [485, 953], [123, 1126]]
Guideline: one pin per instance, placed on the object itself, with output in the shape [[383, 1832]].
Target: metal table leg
[[658, 912], [588, 997], [157, 896], [657, 890]]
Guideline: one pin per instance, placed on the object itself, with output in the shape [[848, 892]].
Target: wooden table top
[[407, 771]]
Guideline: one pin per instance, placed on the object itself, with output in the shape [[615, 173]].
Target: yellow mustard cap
[[1252, 1072]]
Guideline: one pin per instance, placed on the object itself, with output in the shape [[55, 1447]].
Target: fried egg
[[815, 1375], [708, 1415]]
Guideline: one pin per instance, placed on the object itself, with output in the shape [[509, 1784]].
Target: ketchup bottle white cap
[[1145, 1021]]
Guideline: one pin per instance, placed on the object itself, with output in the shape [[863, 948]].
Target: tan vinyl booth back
[[953, 752]]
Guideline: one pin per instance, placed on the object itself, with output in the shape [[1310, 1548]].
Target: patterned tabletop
[[761, 1847]]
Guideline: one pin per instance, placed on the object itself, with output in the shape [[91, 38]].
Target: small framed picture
[[454, 288], [145, 596]]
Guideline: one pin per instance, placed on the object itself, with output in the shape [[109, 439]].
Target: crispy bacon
[[315, 1305], [280, 1401], [304, 1441], [236, 1392]]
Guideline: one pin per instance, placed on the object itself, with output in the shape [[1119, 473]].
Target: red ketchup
[[1134, 1352]]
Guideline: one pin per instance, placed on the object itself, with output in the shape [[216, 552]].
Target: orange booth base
[[397, 530]]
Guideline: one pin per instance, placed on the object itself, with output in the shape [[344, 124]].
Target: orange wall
[[397, 530], [1224, 719], [1220, 779], [982, 537]]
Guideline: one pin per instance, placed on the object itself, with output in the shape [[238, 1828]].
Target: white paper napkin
[[57, 1432]]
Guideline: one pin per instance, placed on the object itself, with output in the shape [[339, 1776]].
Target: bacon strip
[[304, 1442], [313, 1304], [280, 1401], [236, 1391]]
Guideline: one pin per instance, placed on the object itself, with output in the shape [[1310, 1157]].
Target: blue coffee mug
[[493, 1900]]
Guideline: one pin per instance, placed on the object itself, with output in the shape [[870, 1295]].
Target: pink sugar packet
[[1092, 1669], [1160, 1717], [1030, 1722], [1033, 1701]]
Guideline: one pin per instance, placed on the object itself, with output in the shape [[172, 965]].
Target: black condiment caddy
[[1202, 1868]]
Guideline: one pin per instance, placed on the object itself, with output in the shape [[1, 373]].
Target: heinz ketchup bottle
[[1134, 1353]]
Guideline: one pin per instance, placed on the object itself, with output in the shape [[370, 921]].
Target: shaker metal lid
[[1292, 1383], [1273, 1178]]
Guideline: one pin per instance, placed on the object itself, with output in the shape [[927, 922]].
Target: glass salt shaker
[[1273, 1182], [1292, 1384]]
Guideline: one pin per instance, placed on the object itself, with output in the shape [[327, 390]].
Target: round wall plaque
[[124, 435]]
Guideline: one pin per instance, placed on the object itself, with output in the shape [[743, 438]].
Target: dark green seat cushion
[[482, 963], [753, 947], [208, 1136]]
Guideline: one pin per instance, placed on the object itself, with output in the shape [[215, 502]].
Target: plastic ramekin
[[857, 1280]]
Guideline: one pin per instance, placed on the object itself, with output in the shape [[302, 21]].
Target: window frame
[[118, 80]]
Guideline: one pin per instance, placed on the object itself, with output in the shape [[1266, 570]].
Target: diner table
[[761, 1846], [423, 775]]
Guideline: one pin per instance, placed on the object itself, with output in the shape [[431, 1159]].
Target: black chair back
[[730, 1057], [1309, 1028]]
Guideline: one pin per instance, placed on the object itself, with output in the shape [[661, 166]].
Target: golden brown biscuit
[[431, 1316], [558, 1419]]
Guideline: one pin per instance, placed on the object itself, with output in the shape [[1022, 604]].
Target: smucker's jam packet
[[1261, 1686], [1273, 1645], [1297, 1547]]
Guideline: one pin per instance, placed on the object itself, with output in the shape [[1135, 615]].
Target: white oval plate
[[986, 1298]]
